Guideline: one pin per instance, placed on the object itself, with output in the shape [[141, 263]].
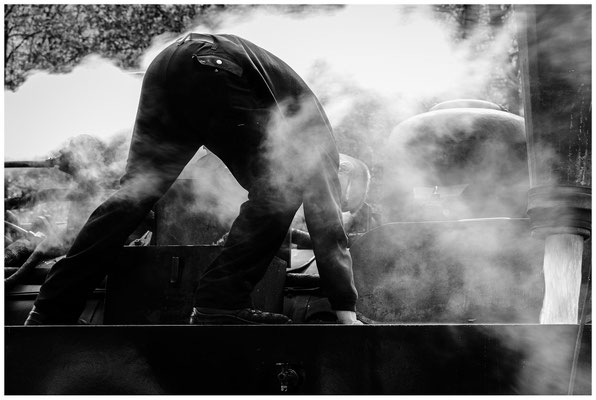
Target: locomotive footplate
[[298, 359]]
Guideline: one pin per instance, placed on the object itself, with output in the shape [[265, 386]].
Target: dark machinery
[[451, 287], [154, 280], [442, 342]]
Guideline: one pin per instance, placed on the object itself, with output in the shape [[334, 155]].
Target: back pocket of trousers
[[217, 62]]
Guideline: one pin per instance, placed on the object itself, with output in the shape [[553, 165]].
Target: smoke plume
[[372, 67], [404, 55], [96, 98]]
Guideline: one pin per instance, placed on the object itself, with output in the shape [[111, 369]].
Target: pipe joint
[[560, 209]]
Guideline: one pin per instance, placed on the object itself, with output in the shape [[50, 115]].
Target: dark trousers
[[185, 104]]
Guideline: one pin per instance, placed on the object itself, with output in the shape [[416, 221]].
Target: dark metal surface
[[456, 163], [315, 359], [484, 270], [49, 163], [18, 302], [560, 209], [156, 284], [556, 59]]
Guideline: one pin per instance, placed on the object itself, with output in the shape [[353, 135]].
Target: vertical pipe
[[555, 57], [562, 274]]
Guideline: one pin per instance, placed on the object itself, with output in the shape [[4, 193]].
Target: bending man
[[259, 117]]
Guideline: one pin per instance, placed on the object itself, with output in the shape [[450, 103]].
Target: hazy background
[[371, 66], [74, 70]]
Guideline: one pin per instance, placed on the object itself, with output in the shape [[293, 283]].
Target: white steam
[[403, 56], [389, 49], [96, 98]]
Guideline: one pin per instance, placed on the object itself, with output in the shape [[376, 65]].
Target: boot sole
[[225, 319]]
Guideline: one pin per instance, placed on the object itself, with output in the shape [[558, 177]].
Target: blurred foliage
[[55, 37], [481, 24]]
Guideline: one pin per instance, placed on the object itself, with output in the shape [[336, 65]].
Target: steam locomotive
[[445, 254]]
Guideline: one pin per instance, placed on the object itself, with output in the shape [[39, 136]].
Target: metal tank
[[457, 248], [462, 159]]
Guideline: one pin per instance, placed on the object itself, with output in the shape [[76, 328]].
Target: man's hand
[[347, 318]]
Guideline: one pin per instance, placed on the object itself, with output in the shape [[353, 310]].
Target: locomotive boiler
[[451, 278]]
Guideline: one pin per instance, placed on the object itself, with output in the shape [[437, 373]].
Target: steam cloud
[[371, 66], [403, 55], [96, 98]]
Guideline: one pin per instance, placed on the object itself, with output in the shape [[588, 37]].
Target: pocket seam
[[218, 62]]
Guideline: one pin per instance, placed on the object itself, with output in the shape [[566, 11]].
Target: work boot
[[35, 318], [214, 316]]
